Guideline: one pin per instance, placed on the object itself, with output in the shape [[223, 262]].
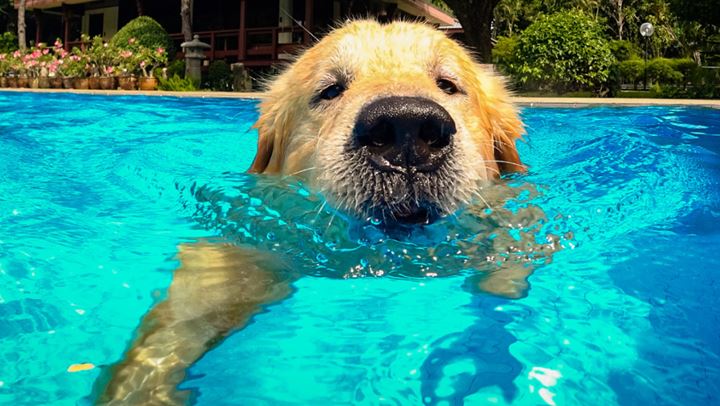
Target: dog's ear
[[264, 145], [500, 118], [273, 127], [504, 139]]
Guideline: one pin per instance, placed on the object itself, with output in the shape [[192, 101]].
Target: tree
[[703, 11], [22, 42], [563, 51], [476, 17], [185, 16], [620, 14]]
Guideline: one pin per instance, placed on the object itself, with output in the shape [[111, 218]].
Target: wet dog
[[394, 122]]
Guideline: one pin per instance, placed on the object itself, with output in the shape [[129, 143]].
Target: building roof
[[427, 10], [33, 4]]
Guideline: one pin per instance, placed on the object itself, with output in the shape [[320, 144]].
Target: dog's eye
[[332, 92], [447, 86]]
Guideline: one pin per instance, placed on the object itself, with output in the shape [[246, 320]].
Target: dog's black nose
[[404, 132]]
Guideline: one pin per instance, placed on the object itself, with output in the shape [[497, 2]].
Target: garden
[[135, 58], [597, 48]]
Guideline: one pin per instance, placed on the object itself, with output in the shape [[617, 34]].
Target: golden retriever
[[395, 122]]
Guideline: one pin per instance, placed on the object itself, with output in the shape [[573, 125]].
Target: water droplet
[[270, 236]]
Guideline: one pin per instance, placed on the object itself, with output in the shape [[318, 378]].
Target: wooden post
[[38, 25], [66, 22], [22, 42], [186, 19], [242, 35], [309, 11]]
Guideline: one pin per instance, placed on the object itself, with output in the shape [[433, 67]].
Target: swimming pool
[[96, 193]]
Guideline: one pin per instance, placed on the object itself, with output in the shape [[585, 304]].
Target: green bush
[[686, 66], [624, 50], [177, 84], [564, 51], [220, 76], [176, 67], [8, 42], [705, 83], [661, 70], [146, 31], [631, 70], [503, 52]]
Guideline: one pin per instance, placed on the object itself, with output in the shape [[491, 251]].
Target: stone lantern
[[194, 54]]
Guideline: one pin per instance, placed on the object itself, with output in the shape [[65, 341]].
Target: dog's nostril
[[435, 135], [381, 135]]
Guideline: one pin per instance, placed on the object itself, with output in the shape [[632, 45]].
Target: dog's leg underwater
[[215, 291]]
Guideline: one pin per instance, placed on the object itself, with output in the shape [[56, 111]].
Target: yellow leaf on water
[[80, 367]]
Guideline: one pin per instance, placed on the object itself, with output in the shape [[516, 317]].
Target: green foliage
[[703, 11], [624, 50], [504, 52], [8, 42], [176, 67], [564, 51], [661, 70], [145, 32], [220, 76], [686, 66], [631, 70], [176, 83]]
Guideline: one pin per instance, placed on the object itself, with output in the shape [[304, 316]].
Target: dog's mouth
[[416, 215]]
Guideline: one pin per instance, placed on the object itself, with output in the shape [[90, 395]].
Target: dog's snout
[[404, 132]]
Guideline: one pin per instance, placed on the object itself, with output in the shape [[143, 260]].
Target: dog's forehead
[[367, 46]]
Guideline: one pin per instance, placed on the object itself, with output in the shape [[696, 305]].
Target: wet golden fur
[[399, 59]]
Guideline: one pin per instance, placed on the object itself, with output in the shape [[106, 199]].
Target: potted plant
[[4, 70], [151, 60], [96, 55], [77, 68], [18, 67], [128, 65], [13, 65], [55, 66], [45, 59]]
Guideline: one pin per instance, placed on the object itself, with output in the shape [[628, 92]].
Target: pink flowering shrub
[[94, 58]]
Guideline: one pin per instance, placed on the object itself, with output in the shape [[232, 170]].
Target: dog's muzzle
[[404, 134]]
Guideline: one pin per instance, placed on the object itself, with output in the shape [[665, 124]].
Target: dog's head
[[394, 121]]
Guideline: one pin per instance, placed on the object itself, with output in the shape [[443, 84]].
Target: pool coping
[[521, 101]]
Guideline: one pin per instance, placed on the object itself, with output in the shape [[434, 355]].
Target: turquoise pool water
[[96, 193]]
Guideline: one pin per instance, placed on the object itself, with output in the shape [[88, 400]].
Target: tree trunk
[[140, 8], [476, 18], [185, 16], [22, 42]]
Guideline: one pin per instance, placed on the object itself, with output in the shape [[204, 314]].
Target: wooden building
[[256, 32]]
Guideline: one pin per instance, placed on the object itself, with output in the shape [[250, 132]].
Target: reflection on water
[[502, 237]]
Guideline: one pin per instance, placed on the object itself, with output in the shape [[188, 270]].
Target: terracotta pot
[[94, 82], [22, 81], [148, 83], [128, 82], [108, 83], [12, 81], [67, 83], [56, 82], [3, 82], [44, 82], [81, 83]]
